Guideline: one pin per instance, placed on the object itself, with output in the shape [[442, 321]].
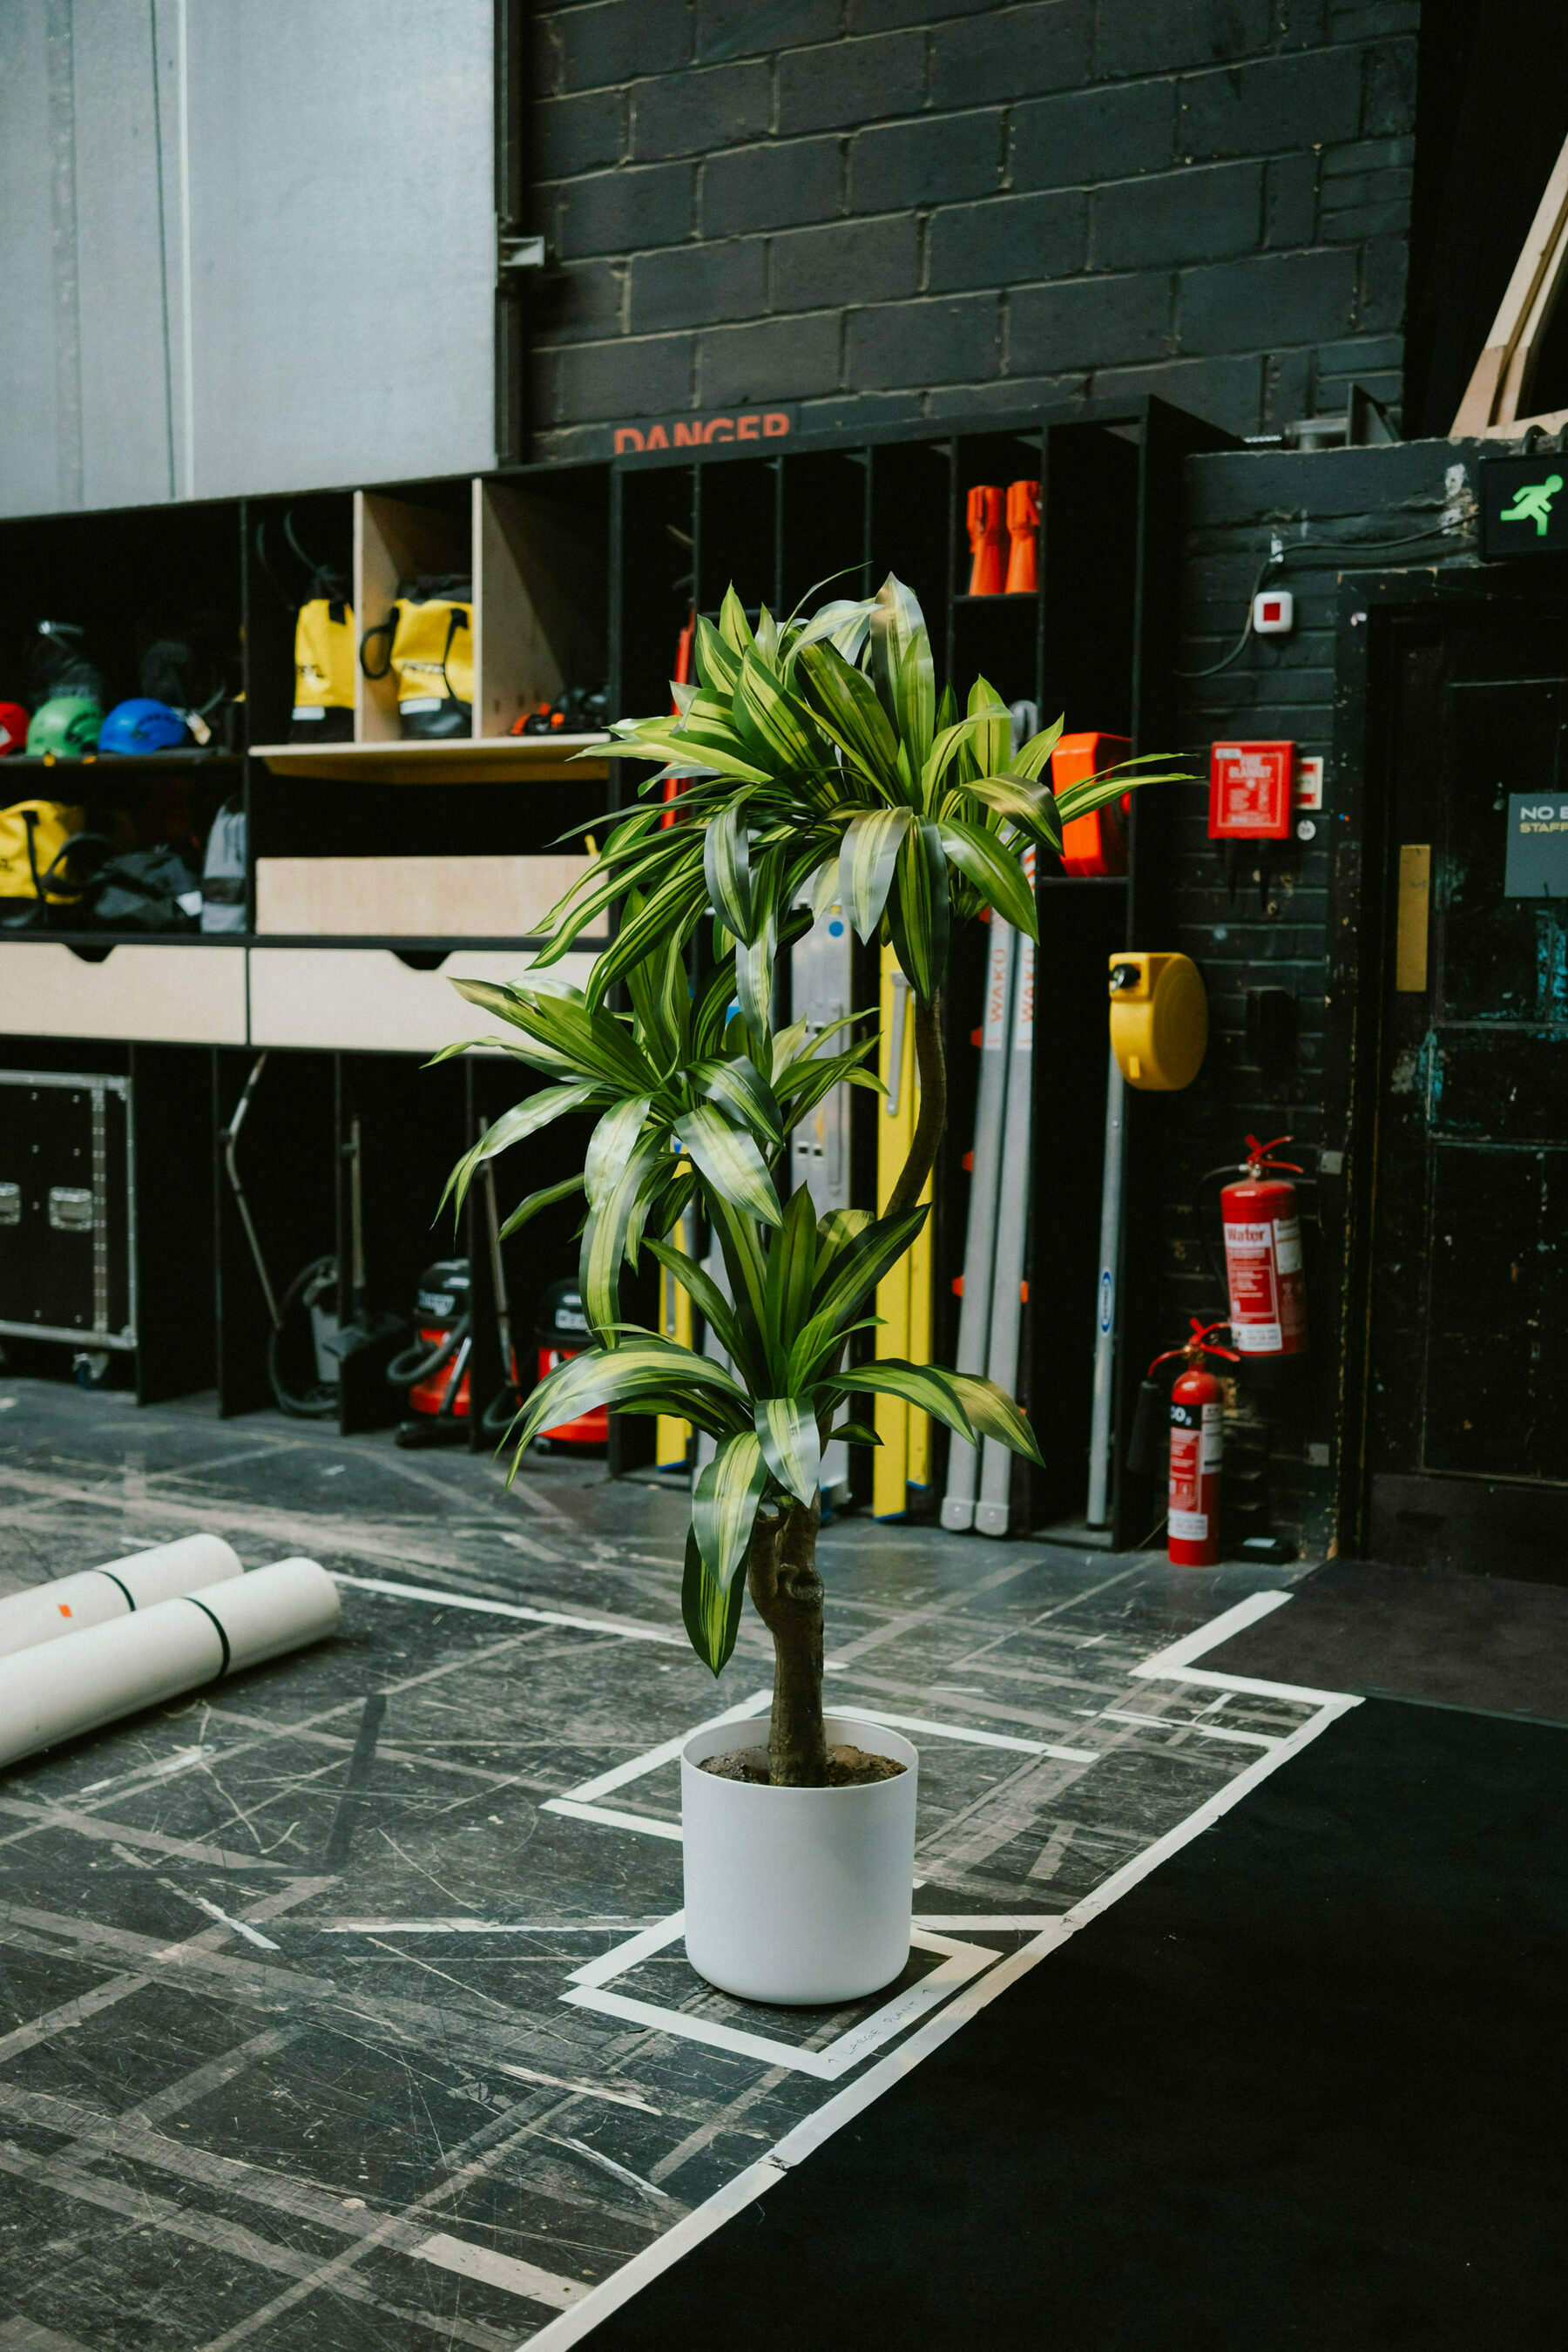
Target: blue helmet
[[142, 725]]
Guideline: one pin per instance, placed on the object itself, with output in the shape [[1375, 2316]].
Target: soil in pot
[[847, 1767]]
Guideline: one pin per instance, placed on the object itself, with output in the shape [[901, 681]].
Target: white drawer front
[[366, 1000], [164, 993]]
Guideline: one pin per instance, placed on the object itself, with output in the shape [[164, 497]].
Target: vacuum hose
[[407, 1371], [316, 1403]]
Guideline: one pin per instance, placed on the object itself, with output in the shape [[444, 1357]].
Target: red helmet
[[13, 728]]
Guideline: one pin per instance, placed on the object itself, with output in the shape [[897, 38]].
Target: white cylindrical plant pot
[[798, 1896]]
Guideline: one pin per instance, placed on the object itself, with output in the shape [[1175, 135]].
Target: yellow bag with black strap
[[33, 836], [429, 648], [323, 708]]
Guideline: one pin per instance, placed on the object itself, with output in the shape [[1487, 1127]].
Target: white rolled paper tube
[[72, 1604], [64, 1688]]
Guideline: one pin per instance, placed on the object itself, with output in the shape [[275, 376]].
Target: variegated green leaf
[[977, 729], [811, 1081], [733, 626], [843, 623], [845, 704], [917, 699], [834, 1232], [524, 1118], [993, 742], [709, 1611], [866, 864], [744, 1265], [718, 665], [1093, 792], [1033, 806], [583, 1037], [994, 1414], [544, 1199], [740, 1089], [640, 1365], [726, 867], [969, 1406], [754, 958], [791, 1270], [673, 912], [995, 870], [791, 1446], [778, 731], [730, 1161], [919, 915], [854, 1270], [922, 1385], [717, 1311], [896, 616], [1033, 758], [724, 1504], [603, 1242], [611, 1143]]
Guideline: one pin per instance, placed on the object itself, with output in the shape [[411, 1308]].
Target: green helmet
[[67, 725]]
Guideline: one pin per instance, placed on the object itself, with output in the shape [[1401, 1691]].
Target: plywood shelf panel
[[495, 759], [412, 897]]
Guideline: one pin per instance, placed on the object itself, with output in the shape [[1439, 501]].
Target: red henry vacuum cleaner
[[436, 1368], [433, 1368], [561, 1330]]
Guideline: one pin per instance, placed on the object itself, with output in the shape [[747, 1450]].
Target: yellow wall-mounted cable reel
[[1159, 1020]]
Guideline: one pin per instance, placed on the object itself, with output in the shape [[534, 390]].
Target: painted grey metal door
[[1468, 1401]]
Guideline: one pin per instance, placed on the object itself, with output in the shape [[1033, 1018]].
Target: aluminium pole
[[980, 1241], [1105, 1305], [1011, 1229]]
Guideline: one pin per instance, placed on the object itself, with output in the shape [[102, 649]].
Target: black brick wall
[[898, 208], [1332, 511]]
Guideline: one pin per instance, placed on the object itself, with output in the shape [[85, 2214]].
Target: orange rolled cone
[[1023, 534], [986, 536]]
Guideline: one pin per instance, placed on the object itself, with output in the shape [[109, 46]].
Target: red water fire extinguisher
[[1197, 1449], [1263, 1256]]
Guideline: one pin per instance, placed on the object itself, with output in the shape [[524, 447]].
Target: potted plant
[[819, 766]]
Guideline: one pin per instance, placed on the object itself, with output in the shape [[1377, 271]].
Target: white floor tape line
[[842, 2108], [1223, 1628], [627, 1627]]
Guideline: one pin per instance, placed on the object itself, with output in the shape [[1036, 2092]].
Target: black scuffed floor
[[1306, 2085], [1484, 1642], [293, 2051]]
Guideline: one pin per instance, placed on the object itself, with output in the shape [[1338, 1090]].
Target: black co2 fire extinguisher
[[1263, 1256], [1198, 1449]]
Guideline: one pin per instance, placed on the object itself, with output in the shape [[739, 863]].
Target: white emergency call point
[[1273, 613]]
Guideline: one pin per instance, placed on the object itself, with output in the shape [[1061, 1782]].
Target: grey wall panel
[[343, 241], [247, 245], [128, 446], [33, 479]]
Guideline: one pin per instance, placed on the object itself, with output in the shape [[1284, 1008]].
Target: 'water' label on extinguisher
[[1253, 1290]]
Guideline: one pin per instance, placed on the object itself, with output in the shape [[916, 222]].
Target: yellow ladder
[[904, 1298], [672, 1438]]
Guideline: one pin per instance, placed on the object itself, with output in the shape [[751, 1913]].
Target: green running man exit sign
[[1524, 505]]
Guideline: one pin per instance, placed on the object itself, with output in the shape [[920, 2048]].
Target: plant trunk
[[787, 1592], [781, 1570], [932, 1064]]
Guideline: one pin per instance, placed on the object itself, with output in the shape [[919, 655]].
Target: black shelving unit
[[627, 549]]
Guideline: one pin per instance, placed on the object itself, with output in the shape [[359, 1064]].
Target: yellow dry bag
[[324, 665], [34, 837], [430, 651]]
